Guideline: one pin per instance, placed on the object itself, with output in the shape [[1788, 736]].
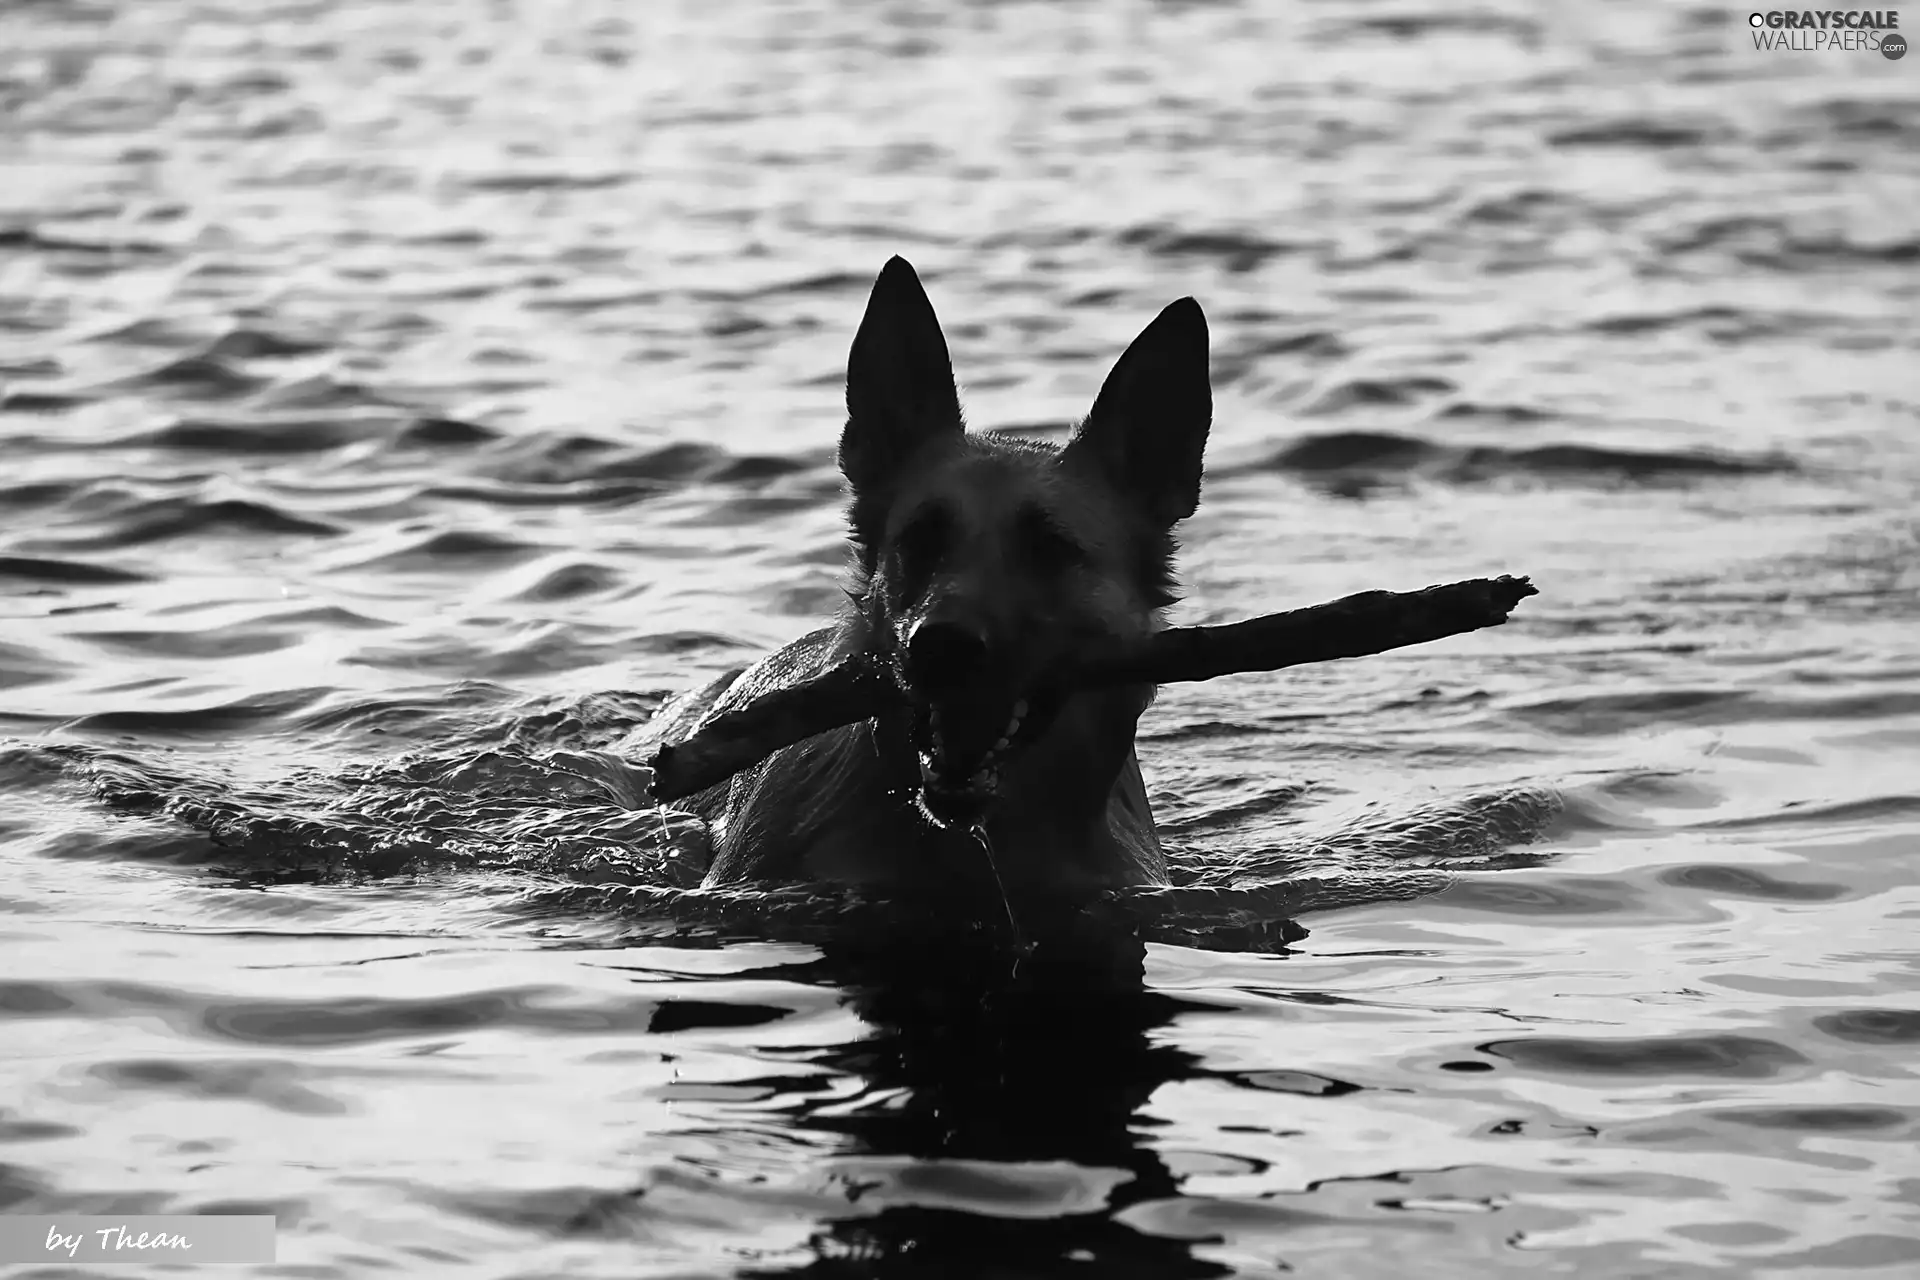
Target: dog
[[978, 560]]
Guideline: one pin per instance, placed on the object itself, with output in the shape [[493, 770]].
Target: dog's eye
[[1051, 546], [926, 539]]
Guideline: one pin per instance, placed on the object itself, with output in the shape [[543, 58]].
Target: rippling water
[[399, 399]]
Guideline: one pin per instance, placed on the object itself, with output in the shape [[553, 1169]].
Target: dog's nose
[[943, 654]]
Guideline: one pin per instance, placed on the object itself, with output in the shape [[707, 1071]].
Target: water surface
[[398, 400]]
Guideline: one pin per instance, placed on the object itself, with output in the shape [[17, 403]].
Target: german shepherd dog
[[979, 559]]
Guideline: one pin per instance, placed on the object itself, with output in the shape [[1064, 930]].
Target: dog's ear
[[1148, 428], [900, 391]]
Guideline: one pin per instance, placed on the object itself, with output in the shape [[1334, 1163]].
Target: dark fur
[[1030, 549]]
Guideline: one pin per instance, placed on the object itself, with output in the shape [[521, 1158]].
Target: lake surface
[[397, 400]]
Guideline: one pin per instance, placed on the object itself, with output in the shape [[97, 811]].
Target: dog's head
[[985, 560]]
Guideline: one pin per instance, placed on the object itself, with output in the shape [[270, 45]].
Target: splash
[[543, 802]]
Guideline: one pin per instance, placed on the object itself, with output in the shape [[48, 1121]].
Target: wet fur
[[1036, 548]]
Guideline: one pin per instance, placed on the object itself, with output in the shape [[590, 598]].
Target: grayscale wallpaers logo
[[1820, 30]]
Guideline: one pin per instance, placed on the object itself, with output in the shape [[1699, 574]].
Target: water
[[399, 400]]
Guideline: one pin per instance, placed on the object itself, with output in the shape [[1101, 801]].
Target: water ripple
[[399, 401]]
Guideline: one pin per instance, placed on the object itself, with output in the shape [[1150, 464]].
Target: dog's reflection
[[1047, 1059]]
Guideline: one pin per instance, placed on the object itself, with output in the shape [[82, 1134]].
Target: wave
[[1391, 453], [168, 518], [257, 711], [70, 572], [1640, 131], [201, 375], [455, 550], [1234, 251], [1773, 242], [574, 458], [266, 433]]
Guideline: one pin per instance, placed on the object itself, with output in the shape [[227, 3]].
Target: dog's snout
[[943, 654]]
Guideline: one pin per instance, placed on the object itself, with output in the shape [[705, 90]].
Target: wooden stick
[[846, 693], [1350, 627], [852, 690]]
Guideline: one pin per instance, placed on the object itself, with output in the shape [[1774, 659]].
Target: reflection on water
[[399, 401], [996, 1120]]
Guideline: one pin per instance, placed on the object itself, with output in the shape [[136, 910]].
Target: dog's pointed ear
[[1148, 429], [900, 391]]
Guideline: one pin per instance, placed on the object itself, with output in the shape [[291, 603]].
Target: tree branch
[[852, 690]]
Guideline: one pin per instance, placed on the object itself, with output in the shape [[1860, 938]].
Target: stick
[[852, 690], [1350, 627], [845, 693]]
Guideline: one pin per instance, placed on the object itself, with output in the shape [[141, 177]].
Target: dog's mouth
[[964, 743]]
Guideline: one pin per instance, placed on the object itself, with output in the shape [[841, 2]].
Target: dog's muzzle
[[970, 714]]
